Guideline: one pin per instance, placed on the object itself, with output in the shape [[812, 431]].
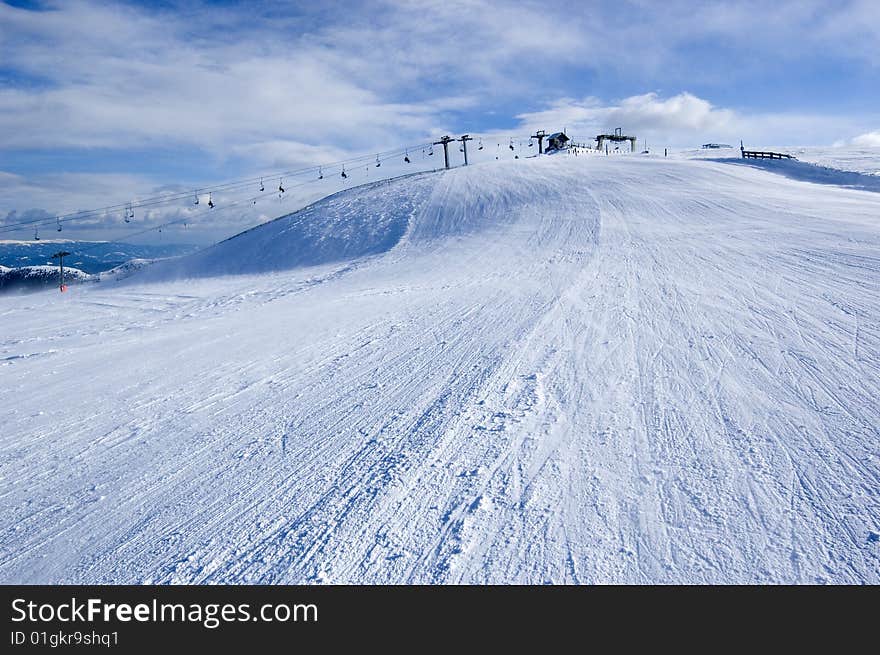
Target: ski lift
[[406, 156], [530, 143], [280, 186], [378, 163], [196, 198], [210, 202], [126, 216], [511, 144], [461, 148], [480, 147], [262, 188], [343, 171], [59, 224], [320, 173], [130, 213], [36, 234], [431, 151]]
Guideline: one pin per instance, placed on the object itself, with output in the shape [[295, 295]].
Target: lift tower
[[444, 141], [60, 257], [539, 135], [464, 139]]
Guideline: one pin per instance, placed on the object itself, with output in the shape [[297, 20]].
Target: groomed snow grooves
[[557, 370]]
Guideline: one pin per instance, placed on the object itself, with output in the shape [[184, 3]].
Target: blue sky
[[101, 101]]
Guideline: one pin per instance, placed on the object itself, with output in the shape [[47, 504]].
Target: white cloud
[[684, 120], [681, 112], [680, 119], [225, 79], [116, 76], [867, 140]]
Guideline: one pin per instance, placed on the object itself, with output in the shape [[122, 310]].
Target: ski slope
[[567, 370]]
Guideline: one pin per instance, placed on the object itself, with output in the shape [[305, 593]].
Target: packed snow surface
[[566, 369]]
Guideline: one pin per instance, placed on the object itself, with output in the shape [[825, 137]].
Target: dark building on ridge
[[556, 141]]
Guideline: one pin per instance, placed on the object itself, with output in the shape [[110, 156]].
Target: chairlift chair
[[210, 201]]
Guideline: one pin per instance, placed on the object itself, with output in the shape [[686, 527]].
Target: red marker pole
[[60, 256]]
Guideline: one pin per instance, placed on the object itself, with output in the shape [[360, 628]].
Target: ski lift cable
[[184, 221], [190, 219], [249, 181], [225, 187], [203, 212], [167, 199], [190, 193]]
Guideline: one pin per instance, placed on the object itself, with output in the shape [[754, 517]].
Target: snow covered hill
[[565, 369], [35, 278]]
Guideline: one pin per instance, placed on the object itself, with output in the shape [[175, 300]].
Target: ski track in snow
[[566, 370]]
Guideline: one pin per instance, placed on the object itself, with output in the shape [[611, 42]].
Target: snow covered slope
[[847, 159], [566, 369], [350, 224]]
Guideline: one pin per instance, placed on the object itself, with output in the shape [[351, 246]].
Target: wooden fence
[[758, 154]]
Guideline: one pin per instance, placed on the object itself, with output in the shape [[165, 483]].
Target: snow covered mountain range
[[27, 266], [88, 256]]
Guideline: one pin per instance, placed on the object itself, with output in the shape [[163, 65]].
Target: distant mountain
[[35, 278], [87, 256]]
